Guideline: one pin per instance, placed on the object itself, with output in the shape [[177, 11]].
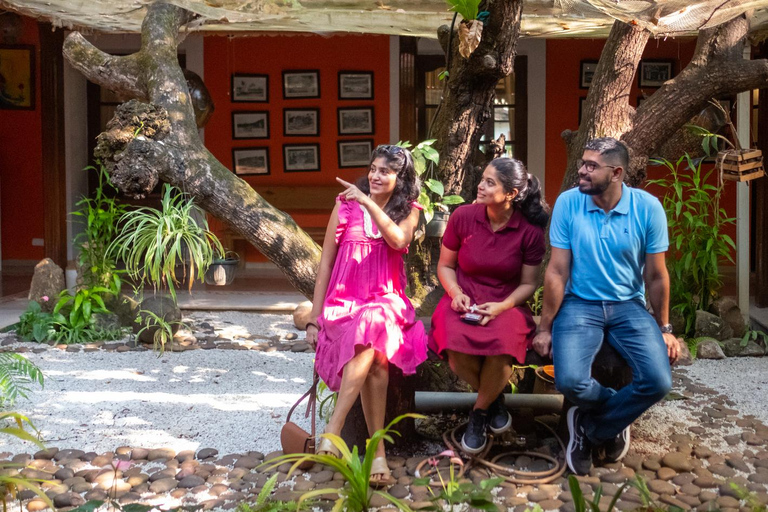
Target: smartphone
[[472, 318]]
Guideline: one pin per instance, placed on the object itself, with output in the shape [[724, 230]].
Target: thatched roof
[[541, 18]]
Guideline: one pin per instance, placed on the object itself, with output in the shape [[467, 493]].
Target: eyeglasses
[[591, 166]]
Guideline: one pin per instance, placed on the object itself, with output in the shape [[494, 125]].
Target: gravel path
[[232, 400]]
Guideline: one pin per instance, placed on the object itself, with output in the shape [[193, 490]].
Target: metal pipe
[[436, 401]]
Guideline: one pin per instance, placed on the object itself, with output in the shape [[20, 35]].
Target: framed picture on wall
[[355, 153], [586, 72], [355, 85], [582, 101], [17, 77], [299, 122], [248, 88], [301, 84], [356, 121], [653, 73], [301, 157], [250, 160], [250, 125]]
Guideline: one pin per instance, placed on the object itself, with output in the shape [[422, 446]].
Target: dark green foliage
[[698, 244]]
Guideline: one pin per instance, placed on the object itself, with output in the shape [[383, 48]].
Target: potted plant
[[153, 243], [432, 196], [221, 272], [734, 163]]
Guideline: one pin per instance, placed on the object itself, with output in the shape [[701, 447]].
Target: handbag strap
[[312, 394]]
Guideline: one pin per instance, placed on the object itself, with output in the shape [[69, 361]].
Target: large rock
[[301, 315], [711, 326], [733, 348], [106, 321], [727, 309], [709, 348], [48, 281], [125, 307], [685, 358], [678, 321], [162, 306]]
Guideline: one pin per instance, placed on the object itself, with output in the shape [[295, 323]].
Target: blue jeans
[[577, 335]]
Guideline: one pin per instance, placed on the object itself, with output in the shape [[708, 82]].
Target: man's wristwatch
[[666, 329]]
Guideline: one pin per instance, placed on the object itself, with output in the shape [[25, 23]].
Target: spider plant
[[152, 242], [356, 495]]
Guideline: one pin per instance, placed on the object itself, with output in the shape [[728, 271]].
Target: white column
[[394, 89], [744, 117]]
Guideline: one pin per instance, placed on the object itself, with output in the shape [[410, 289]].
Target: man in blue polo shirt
[[608, 242]]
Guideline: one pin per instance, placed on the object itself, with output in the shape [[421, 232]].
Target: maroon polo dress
[[488, 269]]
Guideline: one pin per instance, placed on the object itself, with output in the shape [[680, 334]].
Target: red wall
[[563, 93], [270, 55], [21, 176]]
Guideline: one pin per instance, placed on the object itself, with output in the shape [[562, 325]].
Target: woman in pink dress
[[361, 320], [489, 266]]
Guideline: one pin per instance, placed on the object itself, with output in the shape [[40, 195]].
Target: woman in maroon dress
[[489, 265]]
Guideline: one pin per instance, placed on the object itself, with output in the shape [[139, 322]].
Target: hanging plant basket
[[436, 226], [222, 271], [741, 164]]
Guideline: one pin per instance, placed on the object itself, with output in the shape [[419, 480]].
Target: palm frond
[[16, 374]]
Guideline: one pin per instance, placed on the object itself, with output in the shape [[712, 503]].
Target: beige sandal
[[379, 467], [326, 447]]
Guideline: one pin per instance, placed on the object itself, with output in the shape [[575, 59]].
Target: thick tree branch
[[717, 69], [121, 75], [471, 88], [145, 142], [607, 111], [680, 99], [465, 108]]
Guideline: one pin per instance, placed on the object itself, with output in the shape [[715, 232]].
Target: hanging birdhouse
[[741, 164]]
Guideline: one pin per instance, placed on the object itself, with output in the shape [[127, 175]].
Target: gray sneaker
[[617, 448], [578, 455]]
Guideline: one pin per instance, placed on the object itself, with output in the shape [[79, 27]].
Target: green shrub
[[698, 244], [356, 495], [35, 324], [100, 215]]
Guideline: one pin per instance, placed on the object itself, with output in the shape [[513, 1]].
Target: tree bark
[[717, 69], [466, 106], [145, 143]]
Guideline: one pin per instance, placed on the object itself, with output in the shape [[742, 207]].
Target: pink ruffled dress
[[365, 303]]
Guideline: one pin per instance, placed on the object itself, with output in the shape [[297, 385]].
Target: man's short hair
[[610, 147]]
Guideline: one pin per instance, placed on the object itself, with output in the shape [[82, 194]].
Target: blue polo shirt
[[608, 249]]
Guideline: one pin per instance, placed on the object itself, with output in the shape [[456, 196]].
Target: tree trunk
[[144, 143], [717, 69], [466, 106]]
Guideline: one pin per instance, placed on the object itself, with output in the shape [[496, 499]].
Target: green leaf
[[578, 497], [468, 9], [435, 186], [89, 506], [452, 200]]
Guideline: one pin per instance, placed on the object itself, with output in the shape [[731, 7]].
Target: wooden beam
[[54, 168]]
